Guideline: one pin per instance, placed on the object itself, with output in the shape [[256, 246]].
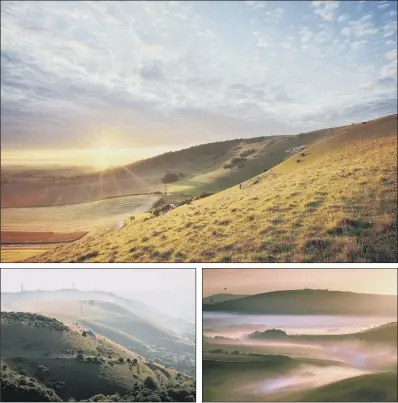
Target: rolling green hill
[[309, 302], [334, 201], [364, 388], [38, 349]]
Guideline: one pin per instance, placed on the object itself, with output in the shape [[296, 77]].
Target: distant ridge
[[307, 301]]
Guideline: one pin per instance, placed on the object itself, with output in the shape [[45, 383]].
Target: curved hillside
[[335, 201], [364, 388], [310, 302], [202, 169], [72, 364]]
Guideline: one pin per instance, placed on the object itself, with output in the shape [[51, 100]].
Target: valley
[[313, 350]]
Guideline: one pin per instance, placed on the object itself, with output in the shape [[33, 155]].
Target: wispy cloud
[[181, 73]]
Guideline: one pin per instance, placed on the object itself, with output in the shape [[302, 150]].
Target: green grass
[[338, 205], [365, 388]]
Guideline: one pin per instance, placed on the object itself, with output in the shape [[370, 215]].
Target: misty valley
[[292, 353], [73, 345]]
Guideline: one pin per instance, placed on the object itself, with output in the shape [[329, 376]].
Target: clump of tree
[[33, 319], [170, 178], [20, 388]]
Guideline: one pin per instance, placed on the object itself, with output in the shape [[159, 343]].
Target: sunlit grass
[[338, 205]]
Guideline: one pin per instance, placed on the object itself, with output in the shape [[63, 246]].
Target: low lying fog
[[304, 377]]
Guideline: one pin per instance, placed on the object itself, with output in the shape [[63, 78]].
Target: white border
[[198, 266]]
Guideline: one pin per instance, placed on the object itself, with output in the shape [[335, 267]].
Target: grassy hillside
[[201, 168], [364, 388], [214, 299], [74, 365], [337, 204], [307, 301]]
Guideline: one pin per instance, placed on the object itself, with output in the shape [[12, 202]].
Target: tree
[[170, 178], [84, 334], [149, 383]]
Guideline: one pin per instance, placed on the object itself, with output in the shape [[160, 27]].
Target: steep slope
[[214, 299], [310, 302], [335, 201], [202, 169], [73, 365]]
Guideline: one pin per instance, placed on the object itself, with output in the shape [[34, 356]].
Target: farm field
[[23, 227]]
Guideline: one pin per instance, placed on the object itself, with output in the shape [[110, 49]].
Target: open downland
[[337, 203]]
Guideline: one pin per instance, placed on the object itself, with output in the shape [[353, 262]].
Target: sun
[[103, 157]]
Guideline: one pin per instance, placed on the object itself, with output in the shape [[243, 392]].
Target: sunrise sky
[[157, 76], [256, 281]]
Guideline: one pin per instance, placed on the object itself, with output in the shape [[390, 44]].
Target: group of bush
[[22, 388]]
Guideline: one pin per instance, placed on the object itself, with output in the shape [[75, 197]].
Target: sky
[[171, 291], [256, 281], [164, 75]]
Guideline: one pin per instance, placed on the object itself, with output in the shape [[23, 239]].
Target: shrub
[[121, 360], [84, 334]]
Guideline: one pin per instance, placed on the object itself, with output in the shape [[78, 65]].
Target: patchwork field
[[23, 227], [335, 201]]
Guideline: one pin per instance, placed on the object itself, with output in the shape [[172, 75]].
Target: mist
[[169, 291], [236, 325]]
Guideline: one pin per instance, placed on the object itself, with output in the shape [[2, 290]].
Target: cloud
[[390, 29], [343, 17], [383, 4], [176, 73], [256, 4], [391, 55], [362, 27], [305, 35], [325, 9]]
